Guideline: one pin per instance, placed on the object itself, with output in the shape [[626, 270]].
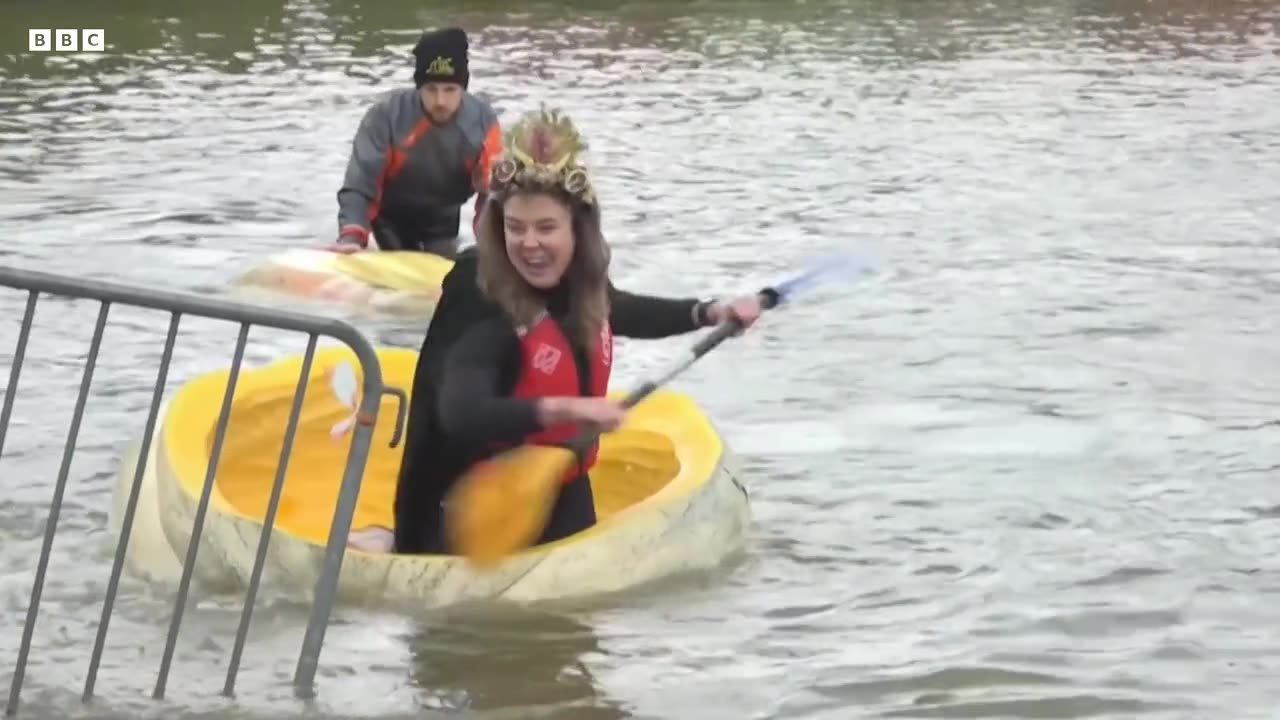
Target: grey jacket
[[409, 177]]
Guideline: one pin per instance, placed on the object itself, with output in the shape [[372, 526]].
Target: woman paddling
[[520, 346]]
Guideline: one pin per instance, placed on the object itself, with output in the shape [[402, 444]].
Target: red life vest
[[547, 369]]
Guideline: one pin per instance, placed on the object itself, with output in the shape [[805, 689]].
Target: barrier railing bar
[[269, 519], [131, 507], [244, 314], [197, 525], [187, 304], [55, 509], [327, 585], [19, 353]]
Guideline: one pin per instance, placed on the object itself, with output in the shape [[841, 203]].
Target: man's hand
[[346, 244], [344, 248]]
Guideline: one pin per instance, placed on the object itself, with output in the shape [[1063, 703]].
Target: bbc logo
[[67, 40]]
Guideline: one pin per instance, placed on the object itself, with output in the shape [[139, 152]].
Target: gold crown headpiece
[[543, 150]]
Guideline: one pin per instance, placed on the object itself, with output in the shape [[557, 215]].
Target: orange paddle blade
[[502, 505]]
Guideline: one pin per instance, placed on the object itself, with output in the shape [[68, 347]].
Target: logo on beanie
[[440, 66]]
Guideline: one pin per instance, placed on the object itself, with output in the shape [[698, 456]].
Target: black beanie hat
[[441, 56]]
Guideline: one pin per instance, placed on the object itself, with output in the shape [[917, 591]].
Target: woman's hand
[[745, 309], [604, 414]]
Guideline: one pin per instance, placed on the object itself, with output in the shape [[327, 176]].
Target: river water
[[1028, 472]]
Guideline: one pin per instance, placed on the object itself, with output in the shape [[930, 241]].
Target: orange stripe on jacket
[[397, 154], [482, 167]]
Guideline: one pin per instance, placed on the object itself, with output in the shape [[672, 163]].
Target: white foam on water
[[1041, 437], [922, 428], [798, 438]]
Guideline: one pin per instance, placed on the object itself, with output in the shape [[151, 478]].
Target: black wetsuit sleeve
[[649, 317], [479, 366]]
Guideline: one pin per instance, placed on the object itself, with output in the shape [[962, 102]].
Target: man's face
[[441, 100]]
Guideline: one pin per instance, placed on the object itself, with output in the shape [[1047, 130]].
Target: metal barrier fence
[[177, 305]]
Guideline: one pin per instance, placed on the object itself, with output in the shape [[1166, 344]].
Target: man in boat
[[520, 346], [419, 154]]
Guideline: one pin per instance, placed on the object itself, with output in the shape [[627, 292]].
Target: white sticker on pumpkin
[[342, 380]]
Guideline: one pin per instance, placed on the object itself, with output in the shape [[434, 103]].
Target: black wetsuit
[[461, 403]]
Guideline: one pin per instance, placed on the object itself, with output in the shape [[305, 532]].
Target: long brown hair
[[587, 276]]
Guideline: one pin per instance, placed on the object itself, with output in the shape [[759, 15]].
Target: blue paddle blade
[[832, 269]]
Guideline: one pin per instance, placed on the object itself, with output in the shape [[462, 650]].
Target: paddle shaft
[[769, 298]]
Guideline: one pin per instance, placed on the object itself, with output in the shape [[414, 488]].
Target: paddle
[[502, 505]]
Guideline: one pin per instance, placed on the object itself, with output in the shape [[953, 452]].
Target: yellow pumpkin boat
[[665, 493], [398, 281]]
